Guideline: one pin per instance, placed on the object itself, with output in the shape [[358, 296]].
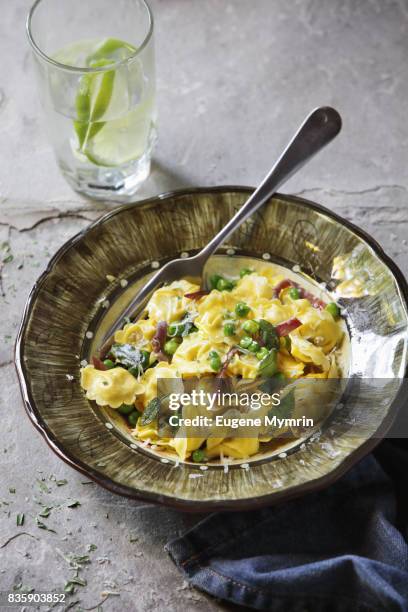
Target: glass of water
[[95, 65]]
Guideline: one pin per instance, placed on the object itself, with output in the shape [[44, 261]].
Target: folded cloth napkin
[[341, 549]]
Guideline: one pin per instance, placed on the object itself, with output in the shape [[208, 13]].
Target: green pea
[[251, 327], [224, 285], [294, 293], [254, 346], [214, 280], [333, 309], [245, 272], [242, 309], [171, 346], [126, 409], [175, 330], [229, 329], [215, 364], [215, 360], [109, 364], [245, 342], [144, 359], [199, 456], [262, 353], [133, 418]]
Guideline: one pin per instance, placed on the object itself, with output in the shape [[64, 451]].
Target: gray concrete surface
[[234, 80]]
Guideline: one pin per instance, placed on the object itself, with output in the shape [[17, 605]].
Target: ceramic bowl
[[94, 275]]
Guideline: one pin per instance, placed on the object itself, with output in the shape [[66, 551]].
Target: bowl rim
[[175, 502]]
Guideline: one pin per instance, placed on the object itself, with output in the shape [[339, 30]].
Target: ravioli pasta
[[259, 324]]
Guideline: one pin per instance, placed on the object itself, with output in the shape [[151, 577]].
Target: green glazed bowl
[[94, 275]]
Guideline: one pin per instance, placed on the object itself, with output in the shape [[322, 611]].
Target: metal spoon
[[318, 129]]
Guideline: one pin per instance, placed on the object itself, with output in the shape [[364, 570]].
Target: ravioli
[[110, 387], [255, 326], [169, 303]]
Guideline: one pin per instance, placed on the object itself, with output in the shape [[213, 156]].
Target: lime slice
[[94, 98], [92, 102], [121, 140], [112, 49]]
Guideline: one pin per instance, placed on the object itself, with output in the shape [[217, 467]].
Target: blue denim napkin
[[342, 549]]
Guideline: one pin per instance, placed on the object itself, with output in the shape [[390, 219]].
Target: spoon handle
[[318, 129]]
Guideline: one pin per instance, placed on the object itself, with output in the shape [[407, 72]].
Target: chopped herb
[[43, 487], [78, 580], [151, 411], [20, 520], [61, 483], [45, 513], [12, 490], [69, 588], [73, 503], [78, 560], [22, 588], [42, 525], [91, 547], [8, 259]]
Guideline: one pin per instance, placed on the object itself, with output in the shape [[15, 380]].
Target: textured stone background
[[234, 80]]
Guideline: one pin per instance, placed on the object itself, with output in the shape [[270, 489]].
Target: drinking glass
[[96, 73]]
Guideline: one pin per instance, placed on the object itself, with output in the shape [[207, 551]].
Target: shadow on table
[[162, 179]]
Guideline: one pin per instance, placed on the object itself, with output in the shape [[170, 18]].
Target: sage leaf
[[151, 411], [130, 356], [268, 334], [269, 364]]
